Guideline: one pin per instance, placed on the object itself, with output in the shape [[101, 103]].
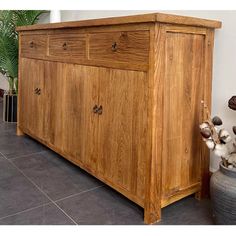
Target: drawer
[[71, 46], [129, 47], [34, 46]]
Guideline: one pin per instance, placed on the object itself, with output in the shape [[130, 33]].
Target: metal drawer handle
[[64, 46], [31, 44], [114, 47]]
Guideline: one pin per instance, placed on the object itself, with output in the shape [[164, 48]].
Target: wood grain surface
[[120, 47], [183, 93], [69, 45], [34, 46], [144, 18], [123, 129]]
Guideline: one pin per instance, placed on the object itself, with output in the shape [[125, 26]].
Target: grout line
[[65, 213], [85, 191], [26, 155], [40, 190], [29, 209]]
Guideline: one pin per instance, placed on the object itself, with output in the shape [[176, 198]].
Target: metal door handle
[[37, 91], [95, 109], [99, 110]]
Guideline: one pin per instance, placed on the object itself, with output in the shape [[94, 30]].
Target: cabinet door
[[71, 123], [123, 129], [32, 103], [53, 105]]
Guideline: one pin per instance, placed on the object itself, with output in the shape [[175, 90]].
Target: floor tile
[[7, 170], [7, 127], [54, 175], [188, 211], [18, 194], [102, 206], [44, 215], [4, 126], [12, 145]]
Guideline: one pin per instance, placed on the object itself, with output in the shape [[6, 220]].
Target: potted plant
[[223, 181], [9, 20]]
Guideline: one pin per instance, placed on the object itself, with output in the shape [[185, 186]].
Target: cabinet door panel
[[123, 129], [72, 92], [54, 84], [32, 112], [183, 92], [89, 121]]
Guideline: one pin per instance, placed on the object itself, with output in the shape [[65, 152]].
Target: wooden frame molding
[[155, 17]]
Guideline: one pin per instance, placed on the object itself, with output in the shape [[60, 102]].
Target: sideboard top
[[145, 18]]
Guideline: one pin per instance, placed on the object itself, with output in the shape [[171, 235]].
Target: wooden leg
[[152, 214], [19, 132], [205, 189], [205, 176], [152, 206]]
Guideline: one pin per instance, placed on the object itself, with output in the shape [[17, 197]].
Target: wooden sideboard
[[121, 98]]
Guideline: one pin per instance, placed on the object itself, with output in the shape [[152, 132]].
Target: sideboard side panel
[[183, 93]]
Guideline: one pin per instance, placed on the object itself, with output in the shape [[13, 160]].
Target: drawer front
[[67, 46], [129, 47], [34, 46]]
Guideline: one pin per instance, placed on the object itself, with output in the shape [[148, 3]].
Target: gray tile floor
[[38, 187]]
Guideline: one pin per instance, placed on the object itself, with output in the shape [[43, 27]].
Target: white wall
[[44, 18], [84, 15], [3, 82]]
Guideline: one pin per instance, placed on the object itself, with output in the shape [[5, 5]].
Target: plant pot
[[1, 93], [223, 196], [10, 108]]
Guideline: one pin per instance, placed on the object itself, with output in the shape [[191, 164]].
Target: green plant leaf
[[9, 20], [29, 17]]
